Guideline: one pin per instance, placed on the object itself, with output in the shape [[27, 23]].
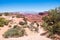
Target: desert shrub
[[15, 26], [44, 25], [21, 33], [52, 22], [3, 22], [24, 26], [1, 25], [23, 23], [10, 33], [6, 22], [14, 32]]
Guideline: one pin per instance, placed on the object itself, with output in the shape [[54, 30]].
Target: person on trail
[[25, 20], [34, 26]]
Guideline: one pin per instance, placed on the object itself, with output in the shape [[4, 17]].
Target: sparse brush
[[52, 23], [14, 32], [3, 22]]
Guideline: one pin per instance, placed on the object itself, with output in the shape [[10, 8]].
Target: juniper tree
[[52, 22]]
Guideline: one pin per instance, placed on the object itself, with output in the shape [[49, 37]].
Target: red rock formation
[[35, 17]]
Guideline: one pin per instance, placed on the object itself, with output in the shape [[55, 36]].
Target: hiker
[[34, 26]]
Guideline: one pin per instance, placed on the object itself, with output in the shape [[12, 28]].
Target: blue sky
[[27, 5]]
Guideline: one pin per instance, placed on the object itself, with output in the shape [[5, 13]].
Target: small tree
[[52, 22]]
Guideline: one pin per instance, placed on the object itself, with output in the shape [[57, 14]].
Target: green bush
[[52, 22], [10, 33], [15, 26], [24, 26], [14, 32], [21, 23], [1, 25], [3, 22]]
